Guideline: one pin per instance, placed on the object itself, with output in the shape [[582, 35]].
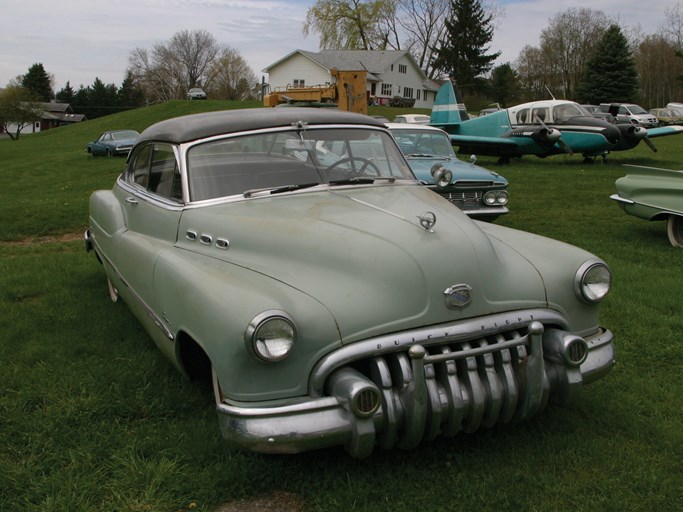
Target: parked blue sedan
[[113, 143], [480, 193]]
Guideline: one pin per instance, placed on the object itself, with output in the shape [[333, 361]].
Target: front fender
[[557, 263], [214, 301]]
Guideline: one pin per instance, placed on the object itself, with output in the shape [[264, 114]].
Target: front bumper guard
[[418, 409]]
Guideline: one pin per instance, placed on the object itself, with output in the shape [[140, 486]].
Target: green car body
[[359, 309], [653, 194]]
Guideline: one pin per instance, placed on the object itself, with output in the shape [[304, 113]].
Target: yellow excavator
[[348, 92]]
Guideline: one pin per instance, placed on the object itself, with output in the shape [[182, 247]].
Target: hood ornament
[[458, 296], [427, 220]]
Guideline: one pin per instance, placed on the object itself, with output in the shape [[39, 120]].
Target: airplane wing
[[664, 130], [461, 140]]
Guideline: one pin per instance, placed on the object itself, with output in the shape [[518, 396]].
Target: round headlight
[[593, 280], [502, 197], [490, 198], [442, 176], [271, 335]]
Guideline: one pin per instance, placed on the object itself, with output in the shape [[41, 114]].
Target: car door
[[151, 197]]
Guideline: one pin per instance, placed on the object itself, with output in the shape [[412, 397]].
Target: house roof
[[375, 62], [54, 106], [63, 117]]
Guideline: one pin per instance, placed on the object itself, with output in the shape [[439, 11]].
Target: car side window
[[154, 168], [138, 171], [164, 175]]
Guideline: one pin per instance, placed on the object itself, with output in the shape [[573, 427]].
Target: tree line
[[583, 55], [164, 72]]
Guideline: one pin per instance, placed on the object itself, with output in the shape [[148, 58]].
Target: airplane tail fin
[[446, 110]]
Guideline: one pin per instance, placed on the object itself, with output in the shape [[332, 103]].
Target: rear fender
[[106, 208]]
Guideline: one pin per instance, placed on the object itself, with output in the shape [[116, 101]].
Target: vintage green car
[[653, 194], [291, 256]]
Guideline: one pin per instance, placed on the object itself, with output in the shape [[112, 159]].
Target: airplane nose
[[632, 133], [613, 134]]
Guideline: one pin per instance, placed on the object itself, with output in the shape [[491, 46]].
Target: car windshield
[[424, 143], [637, 110], [130, 134], [289, 159]]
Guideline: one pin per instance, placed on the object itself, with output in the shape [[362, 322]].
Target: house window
[[419, 91], [407, 92], [402, 68], [299, 82], [386, 89]]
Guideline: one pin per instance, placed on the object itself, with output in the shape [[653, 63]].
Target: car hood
[[462, 171], [362, 253]]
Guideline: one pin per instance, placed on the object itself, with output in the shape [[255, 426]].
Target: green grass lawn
[[93, 418]]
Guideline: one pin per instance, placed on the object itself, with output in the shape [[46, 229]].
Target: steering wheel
[[365, 165]]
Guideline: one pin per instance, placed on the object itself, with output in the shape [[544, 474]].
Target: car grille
[[460, 384], [471, 199]]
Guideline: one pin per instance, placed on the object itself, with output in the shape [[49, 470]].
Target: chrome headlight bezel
[[592, 281], [271, 336], [490, 198], [496, 197]]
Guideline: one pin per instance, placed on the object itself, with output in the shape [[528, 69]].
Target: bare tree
[[349, 24], [673, 25], [658, 68], [232, 78], [533, 73], [172, 67], [195, 52], [422, 22], [569, 41]]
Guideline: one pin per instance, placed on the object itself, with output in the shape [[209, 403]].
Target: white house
[[389, 73]]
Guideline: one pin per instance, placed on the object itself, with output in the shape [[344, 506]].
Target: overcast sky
[[78, 40]]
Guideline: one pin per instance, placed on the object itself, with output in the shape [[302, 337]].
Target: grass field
[[93, 418]]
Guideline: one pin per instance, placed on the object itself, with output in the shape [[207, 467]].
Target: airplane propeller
[[650, 144], [552, 136], [638, 133]]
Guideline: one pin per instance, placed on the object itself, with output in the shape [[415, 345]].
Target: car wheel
[[674, 228], [113, 292]]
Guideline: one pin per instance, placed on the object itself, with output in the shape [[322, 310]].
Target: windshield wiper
[[278, 190], [365, 180], [427, 155]]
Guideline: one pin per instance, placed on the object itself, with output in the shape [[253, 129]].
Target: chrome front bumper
[[427, 394]]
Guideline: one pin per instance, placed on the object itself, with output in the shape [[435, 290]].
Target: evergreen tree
[[610, 74], [38, 82], [462, 55], [102, 99], [66, 94], [129, 94], [504, 85]]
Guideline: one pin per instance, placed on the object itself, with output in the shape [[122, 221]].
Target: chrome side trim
[[150, 312], [619, 199]]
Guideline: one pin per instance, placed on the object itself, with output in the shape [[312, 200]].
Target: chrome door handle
[[131, 200]]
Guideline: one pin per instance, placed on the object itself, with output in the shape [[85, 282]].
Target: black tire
[[674, 228]]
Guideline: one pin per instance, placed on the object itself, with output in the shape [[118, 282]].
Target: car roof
[[198, 126]]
